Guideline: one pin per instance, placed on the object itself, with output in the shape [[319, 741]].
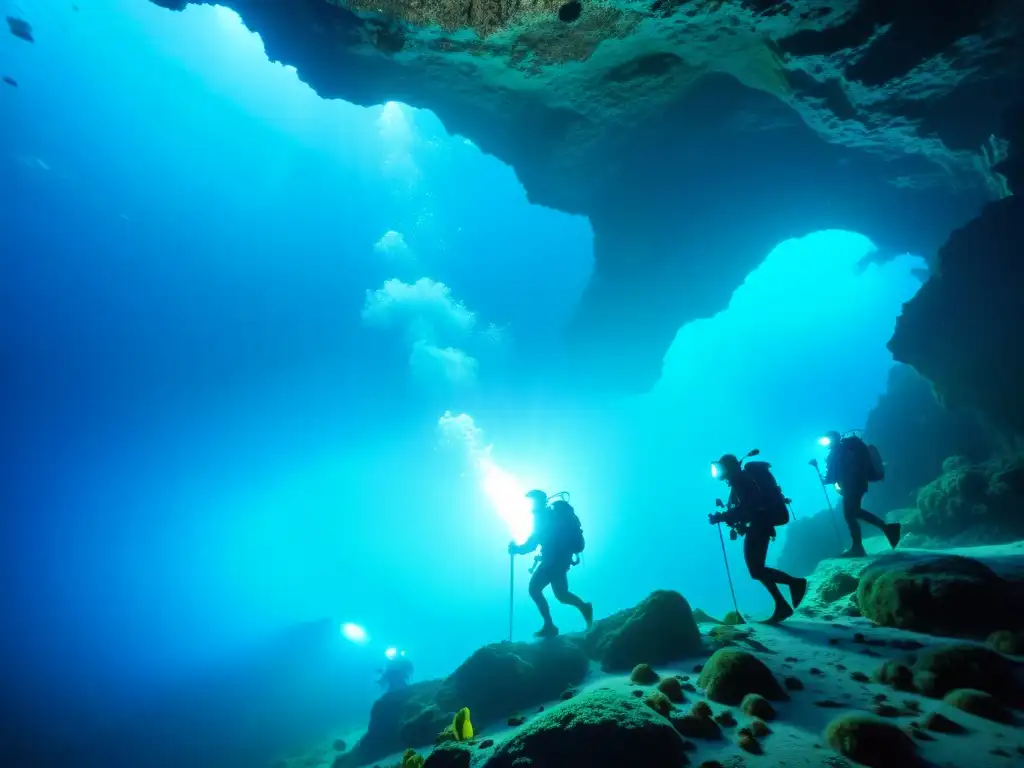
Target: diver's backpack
[[869, 460], [570, 530], [773, 503]]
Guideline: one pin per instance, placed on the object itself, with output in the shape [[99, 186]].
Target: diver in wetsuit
[[396, 672], [753, 512], [557, 531], [848, 467]]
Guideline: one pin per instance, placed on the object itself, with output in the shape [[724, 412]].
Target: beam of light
[[355, 633], [505, 493], [824, 442], [391, 653], [714, 471]]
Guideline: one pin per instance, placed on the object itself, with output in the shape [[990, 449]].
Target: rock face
[[601, 729], [730, 675], [915, 435], [970, 503], [963, 328], [500, 679], [676, 126], [939, 595], [659, 630], [811, 539], [399, 719]]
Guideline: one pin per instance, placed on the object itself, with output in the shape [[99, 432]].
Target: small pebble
[[885, 710], [568, 695], [792, 659], [516, 720], [638, 693], [793, 684], [860, 677], [879, 698], [817, 672], [828, 703], [486, 743], [858, 637]]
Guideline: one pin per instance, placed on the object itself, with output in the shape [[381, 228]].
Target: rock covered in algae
[[872, 741], [937, 671], [730, 674], [598, 729], [939, 595], [661, 629]]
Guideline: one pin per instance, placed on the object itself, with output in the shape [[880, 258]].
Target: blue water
[[225, 383]]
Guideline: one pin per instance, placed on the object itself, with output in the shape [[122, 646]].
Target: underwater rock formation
[[659, 630], [730, 675], [499, 679], [915, 435], [695, 136], [599, 729], [401, 718], [939, 595], [962, 330], [969, 503], [938, 671], [871, 741]]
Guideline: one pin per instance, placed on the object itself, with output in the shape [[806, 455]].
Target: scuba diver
[[756, 506], [396, 672], [557, 531], [850, 466]]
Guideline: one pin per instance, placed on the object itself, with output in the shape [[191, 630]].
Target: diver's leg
[[892, 531], [755, 552], [540, 579], [560, 586], [851, 511]]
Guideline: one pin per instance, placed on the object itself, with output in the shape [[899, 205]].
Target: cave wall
[[915, 434]]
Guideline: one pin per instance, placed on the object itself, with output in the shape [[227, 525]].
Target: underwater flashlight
[[391, 653], [824, 442], [716, 470], [355, 633]]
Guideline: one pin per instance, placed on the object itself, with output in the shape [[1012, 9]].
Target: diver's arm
[[831, 466], [525, 548]]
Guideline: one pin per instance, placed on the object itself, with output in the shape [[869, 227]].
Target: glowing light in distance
[[824, 442], [355, 633], [391, 653], [715, 471]]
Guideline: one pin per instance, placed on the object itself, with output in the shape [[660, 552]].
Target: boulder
[[938, 671], [399, 719], [1007, 641], [730, 674], [980, 704], [661, 629], [871, 741], [499, 680], [758, 706], [598, 729], [938, 595]]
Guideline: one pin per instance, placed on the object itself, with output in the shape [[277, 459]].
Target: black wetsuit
[[746, 508], [553, 569], [845, 465]]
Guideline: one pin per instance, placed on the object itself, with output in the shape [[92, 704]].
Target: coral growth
[[980, 704]]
